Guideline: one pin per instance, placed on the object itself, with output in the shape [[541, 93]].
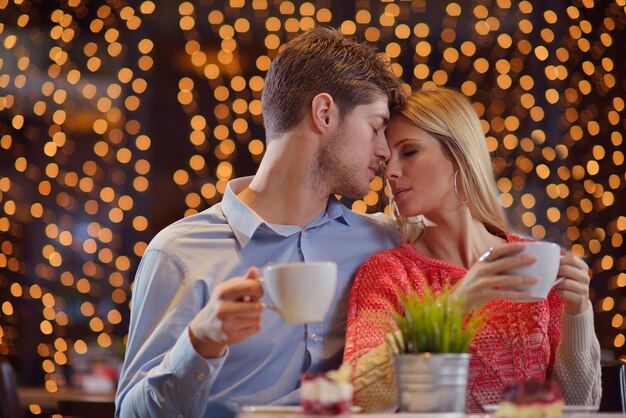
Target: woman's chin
[[408, 213]]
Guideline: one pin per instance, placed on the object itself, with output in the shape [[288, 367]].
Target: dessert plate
[[269, 409], [291, 409], [567, 409]]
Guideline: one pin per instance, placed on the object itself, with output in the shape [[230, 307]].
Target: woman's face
[[420, 174]]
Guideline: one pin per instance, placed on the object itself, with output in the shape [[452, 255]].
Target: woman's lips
[[398, 194]]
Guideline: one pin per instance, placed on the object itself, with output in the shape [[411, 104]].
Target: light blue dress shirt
[[163, 376]]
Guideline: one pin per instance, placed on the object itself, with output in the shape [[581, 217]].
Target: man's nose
[[382, 148]]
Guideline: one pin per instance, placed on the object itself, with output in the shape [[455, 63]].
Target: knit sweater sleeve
[[577, 366], [373, 297], [555, 306]]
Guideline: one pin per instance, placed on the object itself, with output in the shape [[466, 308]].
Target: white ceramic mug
[[545, 269], [300, 292]]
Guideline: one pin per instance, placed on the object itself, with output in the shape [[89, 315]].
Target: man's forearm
[[179, 385]]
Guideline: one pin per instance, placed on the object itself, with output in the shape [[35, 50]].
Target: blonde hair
[[449, 117]]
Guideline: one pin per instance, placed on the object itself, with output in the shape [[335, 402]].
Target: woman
[[447, 211]]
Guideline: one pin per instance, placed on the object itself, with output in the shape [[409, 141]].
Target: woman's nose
[[391, 171]]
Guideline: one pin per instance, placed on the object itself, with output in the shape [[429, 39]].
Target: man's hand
[[232, 315]]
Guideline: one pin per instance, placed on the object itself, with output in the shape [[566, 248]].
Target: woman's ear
[[322, 109]]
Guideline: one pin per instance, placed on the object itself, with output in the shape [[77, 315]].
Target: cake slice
[[326, 394], [531, 399]]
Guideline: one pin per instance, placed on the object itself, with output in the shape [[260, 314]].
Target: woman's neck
[[458, 239]]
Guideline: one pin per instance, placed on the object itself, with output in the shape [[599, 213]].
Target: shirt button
[[199, 376], [314, 337]]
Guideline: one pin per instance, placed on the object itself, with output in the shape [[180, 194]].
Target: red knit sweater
[[518, 341]]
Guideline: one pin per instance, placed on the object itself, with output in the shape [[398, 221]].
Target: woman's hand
[[575, 286], [485, 280]]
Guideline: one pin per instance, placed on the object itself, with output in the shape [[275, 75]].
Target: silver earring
[[456, 191]]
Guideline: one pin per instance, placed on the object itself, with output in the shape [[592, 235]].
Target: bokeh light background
[[118, 117]]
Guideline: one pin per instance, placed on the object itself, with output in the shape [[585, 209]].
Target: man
[[197, 333]]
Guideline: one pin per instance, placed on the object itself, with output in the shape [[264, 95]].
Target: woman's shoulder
[[395, 265], [400, 255], [386, 271]]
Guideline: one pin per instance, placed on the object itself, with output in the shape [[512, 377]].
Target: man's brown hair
[[323, 60]]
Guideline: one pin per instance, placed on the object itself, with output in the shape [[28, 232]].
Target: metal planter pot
[[432, 382]]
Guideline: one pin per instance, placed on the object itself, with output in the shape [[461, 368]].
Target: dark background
[[547, 81]]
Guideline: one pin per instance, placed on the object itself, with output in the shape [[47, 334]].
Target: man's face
[[351, 157]]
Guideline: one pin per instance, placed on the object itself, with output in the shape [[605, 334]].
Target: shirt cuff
[[190, 368], [578, 332]]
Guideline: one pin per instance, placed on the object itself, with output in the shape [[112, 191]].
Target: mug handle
[[558, 280], [264, 305]]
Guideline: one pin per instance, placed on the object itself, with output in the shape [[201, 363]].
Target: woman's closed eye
[[409, 152]]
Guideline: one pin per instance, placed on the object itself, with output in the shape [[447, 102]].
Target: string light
[[548, 104], [76, 143], [74, 147]]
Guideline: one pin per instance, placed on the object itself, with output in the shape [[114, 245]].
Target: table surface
[[49, 400], [411, 415]]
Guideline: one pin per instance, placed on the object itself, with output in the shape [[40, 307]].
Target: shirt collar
[[245, 222], [336, 210]]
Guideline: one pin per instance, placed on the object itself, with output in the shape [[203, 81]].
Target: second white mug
[[545, 269]]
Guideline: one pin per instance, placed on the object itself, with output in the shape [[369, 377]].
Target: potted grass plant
[[431, 342]]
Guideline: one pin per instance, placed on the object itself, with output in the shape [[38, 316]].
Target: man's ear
[[322, 111]]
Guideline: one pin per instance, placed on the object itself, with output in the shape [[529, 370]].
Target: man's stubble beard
[[330, 173]]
